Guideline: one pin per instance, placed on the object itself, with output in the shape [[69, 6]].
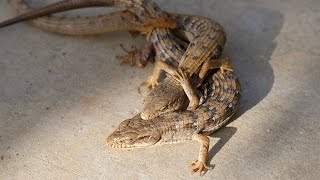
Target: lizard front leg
[[200, 165], [189, 89], [152, 80], [181, 76]]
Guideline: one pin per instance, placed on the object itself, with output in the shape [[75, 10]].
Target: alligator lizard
[[221, 96], [207, 43]]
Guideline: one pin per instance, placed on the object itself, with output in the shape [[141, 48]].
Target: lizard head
[[163, 100], [134, 133]]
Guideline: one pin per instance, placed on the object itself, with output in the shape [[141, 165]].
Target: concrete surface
[[61, 96]]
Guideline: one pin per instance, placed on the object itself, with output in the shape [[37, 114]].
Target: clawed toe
[[198, 166], [226, 65], [181, 76]]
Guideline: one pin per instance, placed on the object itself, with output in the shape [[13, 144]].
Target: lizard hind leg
[[222, 64], [130, 57]]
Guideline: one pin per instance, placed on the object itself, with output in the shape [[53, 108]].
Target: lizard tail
[[52, 8]]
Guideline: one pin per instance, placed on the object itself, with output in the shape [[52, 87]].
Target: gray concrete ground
[[61, 96]]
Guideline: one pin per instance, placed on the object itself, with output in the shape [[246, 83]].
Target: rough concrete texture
[[61, 96]]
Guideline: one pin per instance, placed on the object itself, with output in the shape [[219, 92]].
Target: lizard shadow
[[224, 136], [251, 45]]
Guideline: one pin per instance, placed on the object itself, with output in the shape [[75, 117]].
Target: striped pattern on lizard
[[221, 96]]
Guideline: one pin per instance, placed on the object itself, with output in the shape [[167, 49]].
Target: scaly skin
[[208, 42], [221, 96]]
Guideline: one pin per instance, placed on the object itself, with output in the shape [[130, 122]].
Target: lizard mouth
[[117, 145]]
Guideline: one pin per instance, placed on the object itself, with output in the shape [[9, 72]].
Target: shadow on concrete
[[225, 135], [250, 45]]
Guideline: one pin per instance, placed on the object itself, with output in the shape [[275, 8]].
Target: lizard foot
[[226, 65], [198, 166], [150, 83], [181, 76], [132, 57]]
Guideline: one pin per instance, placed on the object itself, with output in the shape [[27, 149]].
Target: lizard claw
[[198, 166], [226, 65]]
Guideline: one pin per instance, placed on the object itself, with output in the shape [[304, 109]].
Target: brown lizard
[[207, 43], [222, 114], [221, 96]]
